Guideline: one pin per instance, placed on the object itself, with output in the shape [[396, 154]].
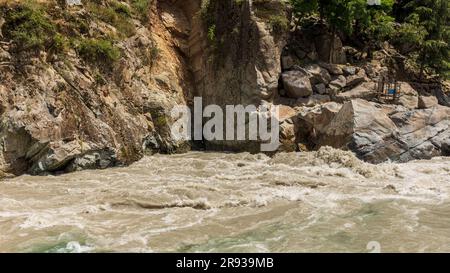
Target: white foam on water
[[165, 202]]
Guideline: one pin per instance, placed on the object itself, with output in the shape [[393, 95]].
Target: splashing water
[[323, 201]]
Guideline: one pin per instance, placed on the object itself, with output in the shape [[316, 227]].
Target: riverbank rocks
[[409, 97], [363, 91], [357, 123], [427, 102], [334, 69], [338, 82], [376, 136], [319, 74], [318, 117], [297, 83]]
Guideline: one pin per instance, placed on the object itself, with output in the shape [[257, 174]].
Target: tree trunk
[[369, 52], [422, 65], [333, 37]]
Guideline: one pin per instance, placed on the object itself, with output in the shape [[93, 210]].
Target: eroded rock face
[[58, 116], [423, 134], [243, 69]]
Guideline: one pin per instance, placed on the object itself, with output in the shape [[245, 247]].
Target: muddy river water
[[326, 201]]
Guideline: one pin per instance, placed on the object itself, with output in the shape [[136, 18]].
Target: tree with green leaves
[[376, 25], [427, 30], [340, 15]]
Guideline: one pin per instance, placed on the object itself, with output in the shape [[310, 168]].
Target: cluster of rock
[[325, 81], [375, 132], [337, 105]]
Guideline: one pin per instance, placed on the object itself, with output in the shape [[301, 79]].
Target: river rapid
[[325, 201]]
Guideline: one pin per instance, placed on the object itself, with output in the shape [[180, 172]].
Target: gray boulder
[[363, 91], [320, 88], [319, 74], [408, 97], [334, 69], [376, 137], [297, 84], [427, 102], [338, 82]]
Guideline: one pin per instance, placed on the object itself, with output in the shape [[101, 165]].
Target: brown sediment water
[[325, 201]]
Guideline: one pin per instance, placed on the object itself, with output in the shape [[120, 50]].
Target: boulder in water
[[376, 137]]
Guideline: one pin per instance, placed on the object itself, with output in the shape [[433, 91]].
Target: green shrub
[[121, 9], [279, 23], [212, 33], [98, 51], [60, 43], [28, 26], [117, 15], [142, 8]]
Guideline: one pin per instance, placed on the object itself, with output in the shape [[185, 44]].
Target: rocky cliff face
[[64, 112], [242, 66], [98, 92]]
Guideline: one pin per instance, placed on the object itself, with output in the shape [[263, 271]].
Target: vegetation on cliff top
[[422, 25], [30, 28], [34, 26], [419, 29]]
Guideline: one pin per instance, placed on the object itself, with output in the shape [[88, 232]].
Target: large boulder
[[297, 84], [408, 97], [423, 134], [319, 74], [363, 91], [376, 137], [319, 117], [338, 82], [357, 125]]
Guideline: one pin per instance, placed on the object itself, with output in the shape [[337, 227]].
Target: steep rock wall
[[243, 64], [64, 114]]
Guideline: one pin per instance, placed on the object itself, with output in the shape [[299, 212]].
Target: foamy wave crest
[[334, 158]]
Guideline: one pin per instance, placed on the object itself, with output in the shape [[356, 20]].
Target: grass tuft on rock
[[98, 51]]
